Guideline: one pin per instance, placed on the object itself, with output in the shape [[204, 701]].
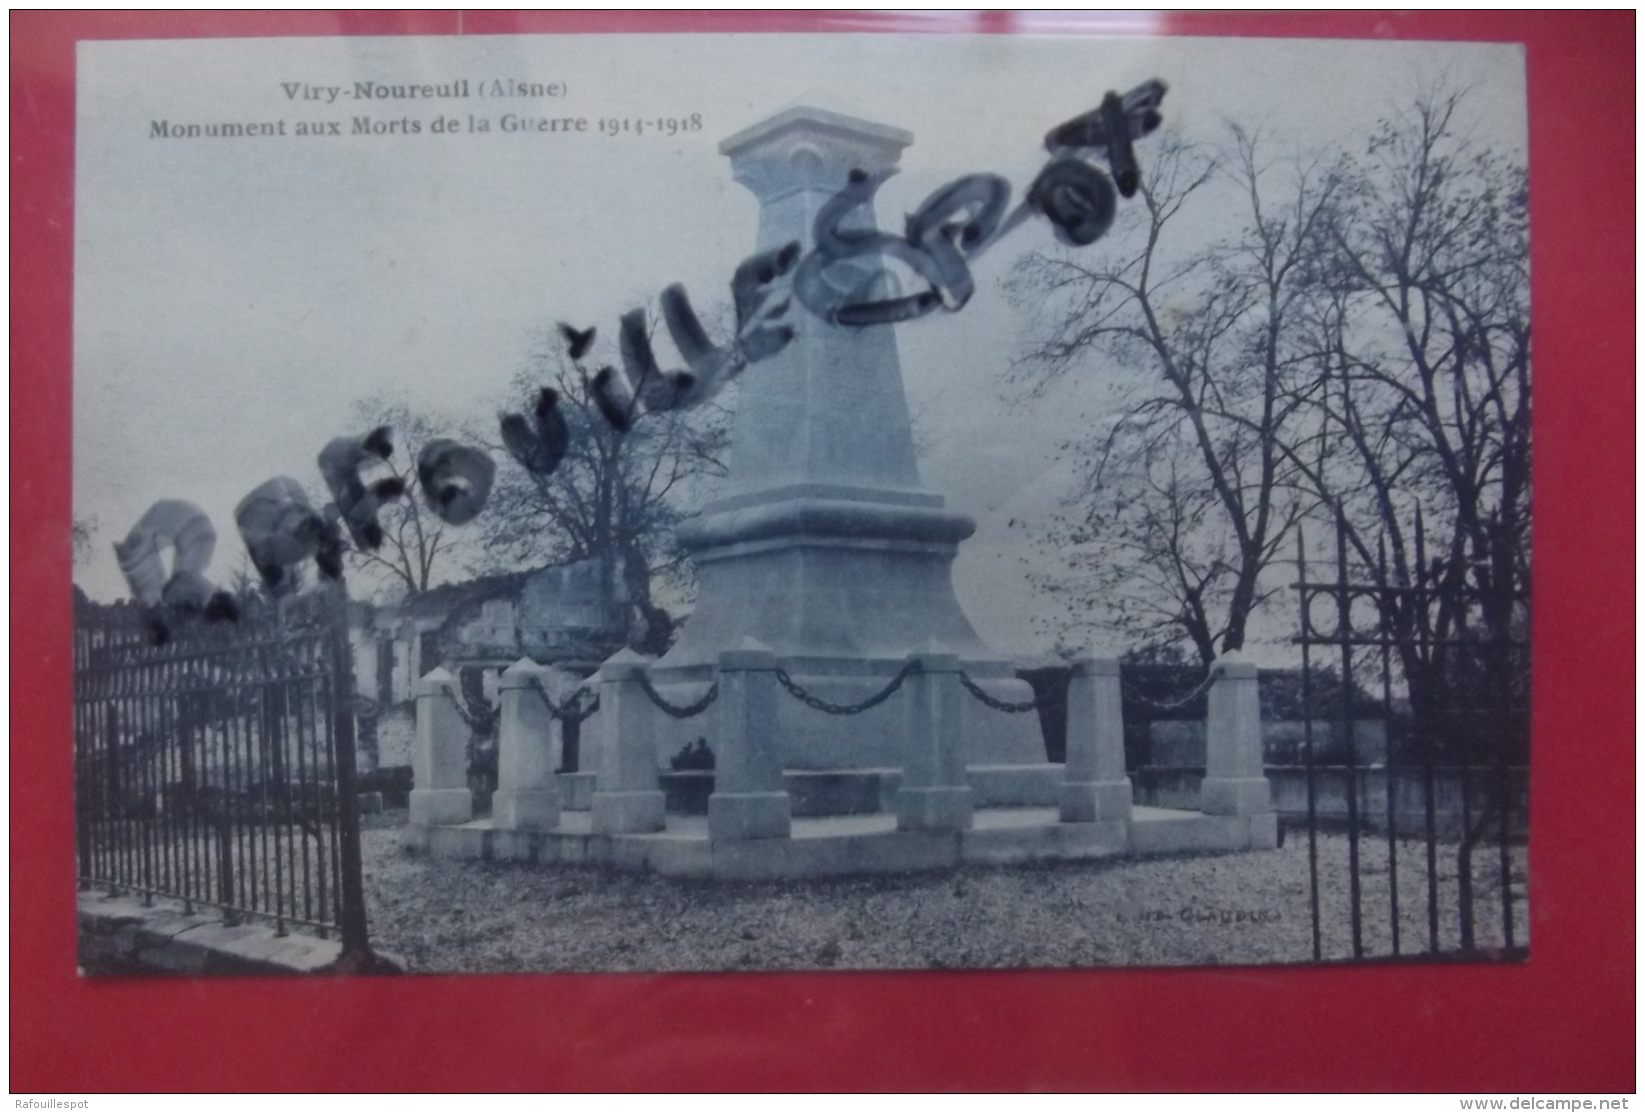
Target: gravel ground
[[447, 916]]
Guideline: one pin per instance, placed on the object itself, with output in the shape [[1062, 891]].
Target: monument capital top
[[805, 119], [804, 147]]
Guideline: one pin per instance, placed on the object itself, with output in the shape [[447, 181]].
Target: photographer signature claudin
[[1189, 914]]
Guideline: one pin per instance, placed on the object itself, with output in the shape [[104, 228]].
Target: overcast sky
[[234, 297]]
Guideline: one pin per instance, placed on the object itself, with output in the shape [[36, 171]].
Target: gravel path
[[447, 916]]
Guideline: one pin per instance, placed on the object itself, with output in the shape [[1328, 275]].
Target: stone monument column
[[1095, 786], [439, 761], [626, 798], [825, 546], [934, 794], [749, 800], [1235, 782], [528, 794]]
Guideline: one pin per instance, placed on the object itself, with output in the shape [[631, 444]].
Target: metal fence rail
[[218, 769], [1456, 659]]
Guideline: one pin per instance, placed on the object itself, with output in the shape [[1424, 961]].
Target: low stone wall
[[122, 935], [396, 732], [1178, 787], [1180, 743], [392, 783], [1167, 786], [1284, 741]]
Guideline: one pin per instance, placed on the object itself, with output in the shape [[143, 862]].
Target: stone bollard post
[[627, 798], [439, 764], [1094, 785], [749, 800], [934, 794], [1234, 780], [528, 795]]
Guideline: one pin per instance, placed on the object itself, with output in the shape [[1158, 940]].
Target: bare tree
[[1421, 368], [418, 549], [1187, 494], [1423, 449], [615, 498]]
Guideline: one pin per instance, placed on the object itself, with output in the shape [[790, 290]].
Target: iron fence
[[1426, 876], [218, 769]]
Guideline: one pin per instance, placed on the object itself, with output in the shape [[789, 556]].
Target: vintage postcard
[[720, 502]]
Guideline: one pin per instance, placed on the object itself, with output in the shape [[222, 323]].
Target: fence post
[[626, 793], [351, 907], [439, 764], [934, 794], [527, 796], [749, 800], [1094, 785], [1234, 782]]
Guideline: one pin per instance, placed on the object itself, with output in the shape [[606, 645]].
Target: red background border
[[1562, 1022]]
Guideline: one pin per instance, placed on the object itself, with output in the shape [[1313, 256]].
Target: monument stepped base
[[838, 846], [826, 792]]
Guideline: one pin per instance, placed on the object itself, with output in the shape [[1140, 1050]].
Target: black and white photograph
[[799, 502]]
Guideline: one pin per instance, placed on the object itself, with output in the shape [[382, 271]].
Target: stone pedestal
[[825, 546], [1095, 786], [439, 760], [528, 751], [1234, 780], [749, 801], [627, 798], [934, 792]]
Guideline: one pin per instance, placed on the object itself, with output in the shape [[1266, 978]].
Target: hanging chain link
[[1173, 705], [675, 710], [566, 711], [481, 721], [1053, 696], [816, 703]]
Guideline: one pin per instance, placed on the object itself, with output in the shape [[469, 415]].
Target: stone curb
[[122, 935]]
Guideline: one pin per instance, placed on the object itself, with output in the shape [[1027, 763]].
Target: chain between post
[[675, 710], [1200, 689], [566, 711], [1051, 698], [474, 722], [816, 703]]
